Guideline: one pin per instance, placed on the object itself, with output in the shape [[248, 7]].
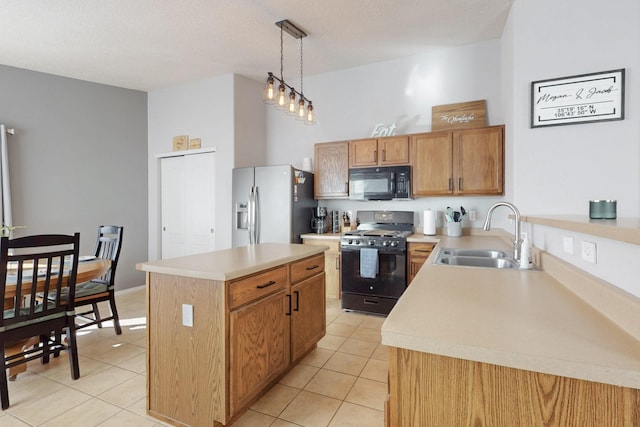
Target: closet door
[[187, 204], [172, 179], [200, 203]]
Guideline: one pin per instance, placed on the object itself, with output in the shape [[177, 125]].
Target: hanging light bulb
[[311, 118], [301, 113], [282, 96], [270, 90], [291, 110]]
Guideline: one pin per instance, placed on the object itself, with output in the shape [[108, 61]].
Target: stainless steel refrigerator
[[272, 204]]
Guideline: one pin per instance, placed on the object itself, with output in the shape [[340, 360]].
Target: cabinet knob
[[211, 230]]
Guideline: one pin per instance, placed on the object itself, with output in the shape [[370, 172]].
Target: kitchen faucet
[[517, 243]]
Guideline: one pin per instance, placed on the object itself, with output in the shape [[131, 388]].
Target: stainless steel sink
[[473, 261], [483, 253], [489, 258]]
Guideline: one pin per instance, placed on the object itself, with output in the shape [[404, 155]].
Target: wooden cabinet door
[[363, 152], [393, 150], [259, 349], [331, 175], [417, 256], [432, 170], [479, 163], [308, 321]]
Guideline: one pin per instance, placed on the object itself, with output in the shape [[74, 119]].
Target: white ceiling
[[151, 44]]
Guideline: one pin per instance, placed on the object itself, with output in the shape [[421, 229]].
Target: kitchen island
[[481, 346], [223, 326]]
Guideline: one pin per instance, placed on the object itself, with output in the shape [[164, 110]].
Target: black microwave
[[383, 183]]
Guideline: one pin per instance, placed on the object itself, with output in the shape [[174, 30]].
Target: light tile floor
[[341, 383]]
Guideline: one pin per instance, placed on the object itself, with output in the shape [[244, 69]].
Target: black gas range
[[374, 261]]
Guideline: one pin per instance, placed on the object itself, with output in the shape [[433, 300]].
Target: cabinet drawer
[[307, 267], [252, 288], [421, 249]]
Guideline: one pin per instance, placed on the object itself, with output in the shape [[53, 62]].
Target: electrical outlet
[[187, 315], [567, 245], [473, 215], [589, 252]]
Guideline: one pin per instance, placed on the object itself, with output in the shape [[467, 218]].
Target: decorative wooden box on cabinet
[[465, 162], [418, 252], [387, 151], [331, 173]]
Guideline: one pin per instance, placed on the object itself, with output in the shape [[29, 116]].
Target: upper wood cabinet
[[479, 161], [465, 162], [331, 174], [387, 151], [432, 171]]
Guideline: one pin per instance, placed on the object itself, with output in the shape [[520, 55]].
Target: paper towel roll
[[307, 165], [429, 222]]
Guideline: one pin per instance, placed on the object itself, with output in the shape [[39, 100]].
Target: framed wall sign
[[578, 99]]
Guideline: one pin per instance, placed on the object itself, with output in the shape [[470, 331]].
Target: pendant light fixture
[[294, 103]]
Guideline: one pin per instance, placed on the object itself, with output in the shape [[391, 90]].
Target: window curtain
[[5, 200]]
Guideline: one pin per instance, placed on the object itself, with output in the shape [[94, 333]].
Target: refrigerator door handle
[[256, 215], [250, 213]]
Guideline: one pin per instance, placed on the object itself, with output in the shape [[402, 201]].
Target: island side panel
[[428, 389], [186, 370]]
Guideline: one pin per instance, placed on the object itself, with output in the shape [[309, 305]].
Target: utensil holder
[[454, 229]]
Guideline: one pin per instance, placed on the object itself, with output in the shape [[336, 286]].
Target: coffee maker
[[319, 221]]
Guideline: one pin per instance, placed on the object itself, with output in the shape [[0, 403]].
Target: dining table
[[89, 268]]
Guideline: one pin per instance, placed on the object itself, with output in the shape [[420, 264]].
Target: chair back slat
[[37, 264], [108, 245]]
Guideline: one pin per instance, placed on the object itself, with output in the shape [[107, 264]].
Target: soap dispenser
[[525, 252]]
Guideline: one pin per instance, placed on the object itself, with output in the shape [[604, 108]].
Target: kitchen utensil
[[449, 214]]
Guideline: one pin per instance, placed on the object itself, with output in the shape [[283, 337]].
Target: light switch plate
[[187, 315], [567, 245]]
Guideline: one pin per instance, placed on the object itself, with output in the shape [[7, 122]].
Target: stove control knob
[[371, 242], [357, 242], [394, 244], [385, 243], [349, 242]]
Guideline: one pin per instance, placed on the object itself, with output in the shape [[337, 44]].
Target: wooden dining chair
[[28, 265], [108, 246]]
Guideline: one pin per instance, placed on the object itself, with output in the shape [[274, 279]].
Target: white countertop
[[227, 264], [519, 319]]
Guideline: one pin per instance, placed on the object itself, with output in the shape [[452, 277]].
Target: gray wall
[[78, 160]]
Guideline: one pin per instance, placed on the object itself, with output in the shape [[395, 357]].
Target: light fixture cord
[[301, 62], [281, 56]]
